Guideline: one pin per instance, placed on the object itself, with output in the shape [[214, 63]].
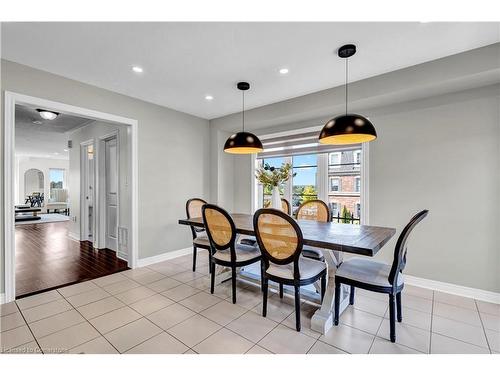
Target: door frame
[[8, 224], [84, 235], [101, 213]]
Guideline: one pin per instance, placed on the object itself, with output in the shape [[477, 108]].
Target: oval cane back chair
[[200, 239], [280, 241], [316, 210], [224, 248]]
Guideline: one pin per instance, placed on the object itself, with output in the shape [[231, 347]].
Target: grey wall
[[173, 151], [439, 151]]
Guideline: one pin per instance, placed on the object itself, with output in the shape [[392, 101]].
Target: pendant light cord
[[243, 113], [346, 82]]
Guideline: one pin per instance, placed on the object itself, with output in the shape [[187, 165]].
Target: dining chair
[[377, 276], [316, 210], [285, 206], [280, 241], [225, 250], [200, 239]]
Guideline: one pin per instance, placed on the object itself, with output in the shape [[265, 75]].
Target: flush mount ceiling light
[[347, 128], [209, 97], [283, 71], [243, 142], [47, 115], [137, 69]]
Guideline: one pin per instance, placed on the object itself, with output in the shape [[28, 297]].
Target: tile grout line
[[99, 332], [376, 333], [484, 329], [27, 325]]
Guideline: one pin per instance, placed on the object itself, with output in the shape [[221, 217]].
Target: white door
[[87, 175], [111, 191]]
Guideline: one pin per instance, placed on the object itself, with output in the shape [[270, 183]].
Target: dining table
[[334, 239]]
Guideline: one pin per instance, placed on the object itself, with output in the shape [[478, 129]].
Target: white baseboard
[[2, 298], [73, 236], [459, 290], [163, 257]]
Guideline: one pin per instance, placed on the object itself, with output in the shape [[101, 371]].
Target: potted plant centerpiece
[[274, 177]]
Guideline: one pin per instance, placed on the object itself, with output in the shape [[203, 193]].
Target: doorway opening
[[72, 201]]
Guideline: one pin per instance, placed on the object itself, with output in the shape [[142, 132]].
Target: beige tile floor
[[166, 308]]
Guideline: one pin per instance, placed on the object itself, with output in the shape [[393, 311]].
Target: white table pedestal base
[[322, 320]]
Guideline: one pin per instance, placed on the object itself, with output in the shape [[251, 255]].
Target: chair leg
[[398, 307], [233, 280], [265, 288], [209, 260], [195, 250], [297, 308], [281, 290], [337, 303], [392, 317], [262, 270], [323, 287], [212, 277]]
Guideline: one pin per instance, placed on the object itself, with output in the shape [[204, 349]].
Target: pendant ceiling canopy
[[347, 128], [243, 142]]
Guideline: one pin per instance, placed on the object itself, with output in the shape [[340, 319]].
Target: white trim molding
[[459, 290], [10, 101], [2, 298], [163, 257], [73, 236]]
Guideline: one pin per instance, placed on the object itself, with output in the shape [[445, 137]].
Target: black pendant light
[[347, 128], [243, 142]]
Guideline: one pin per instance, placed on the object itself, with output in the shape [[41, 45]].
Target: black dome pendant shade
[[243, 142], [347, 128]]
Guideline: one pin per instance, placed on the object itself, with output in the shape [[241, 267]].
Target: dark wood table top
[[356, 239]]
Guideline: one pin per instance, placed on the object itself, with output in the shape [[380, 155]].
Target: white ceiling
[[183, 62], [48, 139]]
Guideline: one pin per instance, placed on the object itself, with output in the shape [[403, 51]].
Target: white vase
[[276, 198]]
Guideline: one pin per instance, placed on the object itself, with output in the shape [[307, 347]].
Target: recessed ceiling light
[[66, 150], [209, 97], [284, 71], [56, 153], [37, 122], [137, 69], [47, 115]]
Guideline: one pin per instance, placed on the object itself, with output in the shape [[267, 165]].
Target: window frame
[[330, 178], [322, 176]]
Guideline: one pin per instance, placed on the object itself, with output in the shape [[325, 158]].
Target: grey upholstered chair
[[280, 241], [378, 276], [200, 239]]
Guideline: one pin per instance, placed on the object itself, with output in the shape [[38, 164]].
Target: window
[[357, 158], [56, 180], [330, 173], [335, 159], [266, 196], [304, 183], [344, 185], [334, 208], [334, 184]]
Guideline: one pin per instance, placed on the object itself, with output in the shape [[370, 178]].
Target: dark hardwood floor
[[46, 258]]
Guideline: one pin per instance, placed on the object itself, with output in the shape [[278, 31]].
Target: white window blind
[[298, 144]]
